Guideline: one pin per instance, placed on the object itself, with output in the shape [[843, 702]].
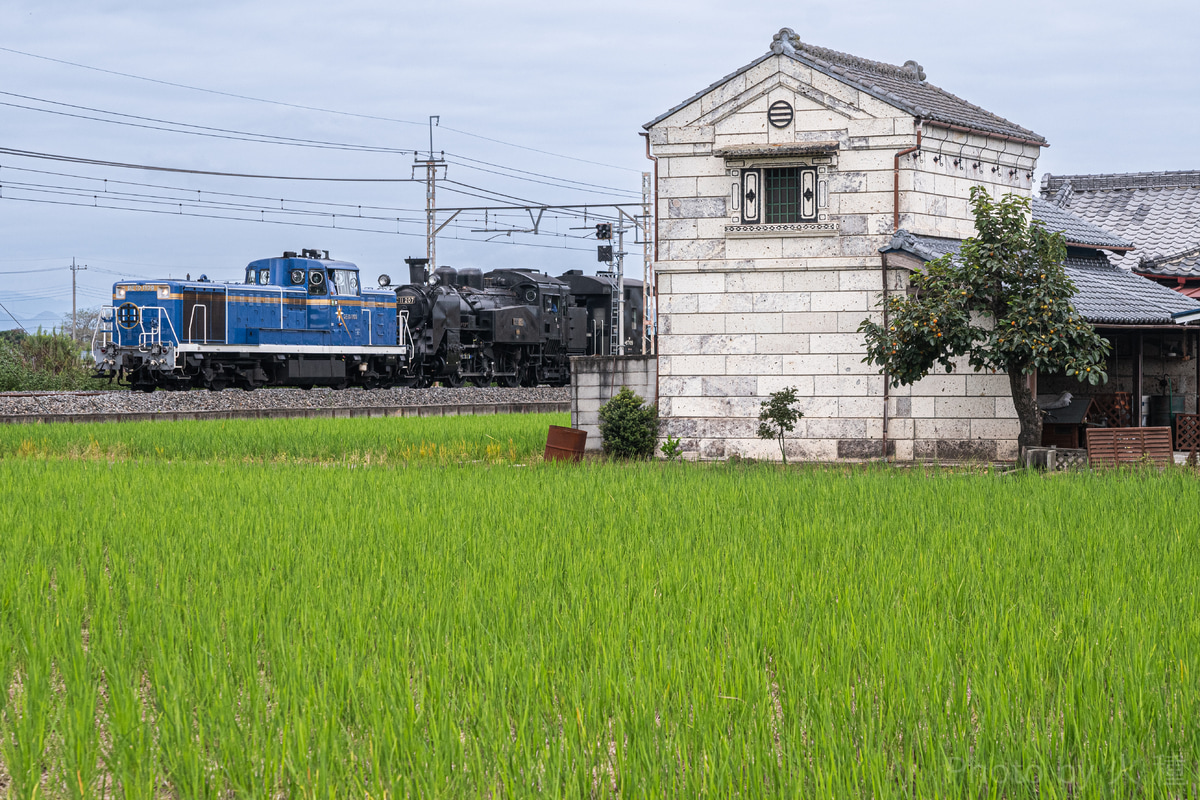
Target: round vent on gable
[[780, 114]]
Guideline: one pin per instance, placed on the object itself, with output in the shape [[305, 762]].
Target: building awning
[[776, 150]]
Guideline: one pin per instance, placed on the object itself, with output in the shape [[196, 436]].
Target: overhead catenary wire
[[264, 220], [152, 168], [230, 134], [455, 158], [199, 130], [302, 107], [30, 271], [570, 208], [178, 203]]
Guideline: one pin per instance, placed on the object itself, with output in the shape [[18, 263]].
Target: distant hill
[[44, 319]]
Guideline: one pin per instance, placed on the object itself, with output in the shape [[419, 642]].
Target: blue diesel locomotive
[[301, 320]]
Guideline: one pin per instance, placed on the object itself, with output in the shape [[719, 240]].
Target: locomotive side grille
[[203, 317]]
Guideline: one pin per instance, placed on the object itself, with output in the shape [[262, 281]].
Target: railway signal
[[604, 231]]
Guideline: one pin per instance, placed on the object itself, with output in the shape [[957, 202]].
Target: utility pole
[[619, 292], [74, 270], [431, 165], [647, 275]]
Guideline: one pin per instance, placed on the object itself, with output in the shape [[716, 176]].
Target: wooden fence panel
[[1113, 446], [1187, 432]]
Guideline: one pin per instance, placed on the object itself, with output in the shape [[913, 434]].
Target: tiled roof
[[903, 87], [926, 248], [1105, 294], [1109, 294], [1075, 229], [1179, 265], [1158, 211]]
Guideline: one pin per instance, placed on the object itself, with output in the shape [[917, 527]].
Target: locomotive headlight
[[119, 292], [164, 292]]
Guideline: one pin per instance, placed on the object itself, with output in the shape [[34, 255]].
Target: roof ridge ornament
[[1062, 198], [786, 42], [915, 69]]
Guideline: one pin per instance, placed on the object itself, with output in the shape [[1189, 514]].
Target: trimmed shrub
[[628, 427]]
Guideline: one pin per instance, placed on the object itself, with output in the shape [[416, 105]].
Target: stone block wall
[[596, 379]]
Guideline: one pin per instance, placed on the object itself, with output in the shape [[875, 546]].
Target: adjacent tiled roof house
[[1152, 354], [1159, 212], [778, 191], [1108, 296]]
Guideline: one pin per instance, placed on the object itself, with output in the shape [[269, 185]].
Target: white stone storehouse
[[777, 187]]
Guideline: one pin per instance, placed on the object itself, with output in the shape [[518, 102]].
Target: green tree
[[778, 417], [1004, 302]]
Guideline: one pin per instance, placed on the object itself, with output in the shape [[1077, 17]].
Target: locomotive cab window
[[264, 277], [345, 281], [551, 303], [316, 282], [250, 275]]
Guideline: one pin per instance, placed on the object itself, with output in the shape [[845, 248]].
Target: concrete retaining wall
[[596, 379], [441, 410]]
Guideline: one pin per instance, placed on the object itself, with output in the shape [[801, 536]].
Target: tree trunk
[[1027, 411]]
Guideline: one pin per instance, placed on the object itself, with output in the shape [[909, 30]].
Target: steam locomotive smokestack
[[418, 271]]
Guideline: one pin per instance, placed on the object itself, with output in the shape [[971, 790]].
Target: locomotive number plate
[[406, 300]]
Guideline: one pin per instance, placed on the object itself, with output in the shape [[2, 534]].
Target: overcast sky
[[556, 89]]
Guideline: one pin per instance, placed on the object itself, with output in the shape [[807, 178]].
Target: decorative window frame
[[746, 192]]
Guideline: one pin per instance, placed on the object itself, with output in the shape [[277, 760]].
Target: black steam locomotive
[[510, 327]]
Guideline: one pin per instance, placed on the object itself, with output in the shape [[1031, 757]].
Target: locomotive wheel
[[455, 379], [510, 364]]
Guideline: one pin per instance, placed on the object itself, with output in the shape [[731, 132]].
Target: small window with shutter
[[792, 199]]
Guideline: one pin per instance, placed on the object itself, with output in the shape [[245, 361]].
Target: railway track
[[425, 410], [100, 406]]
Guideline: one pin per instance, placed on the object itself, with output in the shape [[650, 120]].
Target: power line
[[107, 181], [201, 130], [150, 199], [179, 203], [30, 271], [264, 138], [199, 201], [305, 107], [99, 163], [578, 188], [537, 174], [264, 221]]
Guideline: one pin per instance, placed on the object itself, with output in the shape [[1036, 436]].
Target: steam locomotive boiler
[[511, 327]]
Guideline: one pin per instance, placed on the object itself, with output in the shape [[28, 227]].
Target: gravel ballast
[[232, 401]]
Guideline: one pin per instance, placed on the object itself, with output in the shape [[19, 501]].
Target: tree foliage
[[628, 428], [42, 361], [85, 323], [779, 416], [1003, 303]]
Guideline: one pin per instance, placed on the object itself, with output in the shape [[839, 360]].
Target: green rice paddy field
[[387, 608]]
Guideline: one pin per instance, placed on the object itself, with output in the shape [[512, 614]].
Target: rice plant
[[395, 440], [172, 627]]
